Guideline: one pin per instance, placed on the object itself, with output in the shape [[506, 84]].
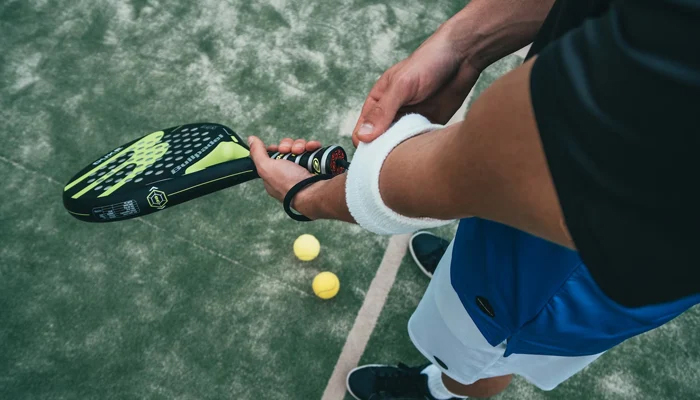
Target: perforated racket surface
[[169, 167]]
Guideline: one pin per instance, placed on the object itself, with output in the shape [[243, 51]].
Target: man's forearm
[[488, 30], [324, 200], [492, 166], [483, 32], [409, 193]]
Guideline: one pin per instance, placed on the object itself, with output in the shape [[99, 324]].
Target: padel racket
[[172, 166]]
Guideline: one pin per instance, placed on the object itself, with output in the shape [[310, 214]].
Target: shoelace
[[401, 381]]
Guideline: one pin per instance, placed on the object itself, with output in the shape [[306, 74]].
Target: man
[[578, 166]]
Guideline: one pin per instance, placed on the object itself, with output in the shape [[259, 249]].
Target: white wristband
[[362, 184]]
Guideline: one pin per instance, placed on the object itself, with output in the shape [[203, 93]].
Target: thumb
[[378, 114], [258, 152]]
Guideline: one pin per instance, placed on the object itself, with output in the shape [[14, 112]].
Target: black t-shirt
[[616, 95]]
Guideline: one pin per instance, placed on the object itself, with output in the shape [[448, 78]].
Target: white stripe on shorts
[[442, 328]]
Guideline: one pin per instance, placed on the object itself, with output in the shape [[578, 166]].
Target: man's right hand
[[433, 82]]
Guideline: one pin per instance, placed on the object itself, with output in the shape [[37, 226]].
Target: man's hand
[[437, 77], [433, 82], [279, 176]]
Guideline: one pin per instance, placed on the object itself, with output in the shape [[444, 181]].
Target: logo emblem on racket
[[186, 162], [157, 198]]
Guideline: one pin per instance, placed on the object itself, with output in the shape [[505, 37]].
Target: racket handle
[[326, 160]]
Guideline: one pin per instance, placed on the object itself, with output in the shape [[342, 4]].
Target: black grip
[[326, 160]]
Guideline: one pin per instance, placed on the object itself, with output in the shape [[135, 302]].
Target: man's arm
[[487, 30], [437, 77], [491, 165]]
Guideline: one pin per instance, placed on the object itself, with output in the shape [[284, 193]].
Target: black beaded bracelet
[[296, 189]]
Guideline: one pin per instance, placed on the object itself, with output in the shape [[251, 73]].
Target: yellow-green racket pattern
[[169, 167], [142, 154]]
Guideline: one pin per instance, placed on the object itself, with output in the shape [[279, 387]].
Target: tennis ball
[[326, 285], [306, 247]]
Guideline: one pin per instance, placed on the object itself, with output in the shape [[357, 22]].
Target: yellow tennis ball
[[326, 285], [307, 247]]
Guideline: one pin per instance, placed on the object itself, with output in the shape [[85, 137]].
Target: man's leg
[[427, 249], [435, 340], [482, 388]]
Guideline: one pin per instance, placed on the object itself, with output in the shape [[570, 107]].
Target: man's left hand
[[279, 176]]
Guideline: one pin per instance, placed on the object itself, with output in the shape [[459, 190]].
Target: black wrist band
[[296, 189]]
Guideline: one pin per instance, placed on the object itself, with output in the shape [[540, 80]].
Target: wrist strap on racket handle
[[287, 203], [331, 160]]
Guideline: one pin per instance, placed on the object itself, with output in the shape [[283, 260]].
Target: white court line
[[226, 258], [29, 171], [367, 317]]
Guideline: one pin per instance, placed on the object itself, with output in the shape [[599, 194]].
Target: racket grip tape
[[331, 160]]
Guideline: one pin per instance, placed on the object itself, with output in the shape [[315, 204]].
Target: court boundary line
[[28, 170], [367, 317], [227, 258]]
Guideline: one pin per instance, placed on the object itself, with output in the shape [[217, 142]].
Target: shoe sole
[[347, 379], [413, 254]]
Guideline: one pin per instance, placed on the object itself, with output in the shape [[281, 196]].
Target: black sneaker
[[427, 250], [385, 382]]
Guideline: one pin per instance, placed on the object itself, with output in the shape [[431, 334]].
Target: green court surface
[[206, 301]]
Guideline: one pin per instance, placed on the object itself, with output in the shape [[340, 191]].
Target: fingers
[[299, 146], [378, 119], [313, 145], [295, 147], [286, 145], [258, 153], [384, 100]]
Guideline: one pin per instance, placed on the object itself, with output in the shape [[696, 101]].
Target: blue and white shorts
[[443, 331]]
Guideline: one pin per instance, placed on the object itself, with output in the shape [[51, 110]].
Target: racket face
[[158, 171]]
